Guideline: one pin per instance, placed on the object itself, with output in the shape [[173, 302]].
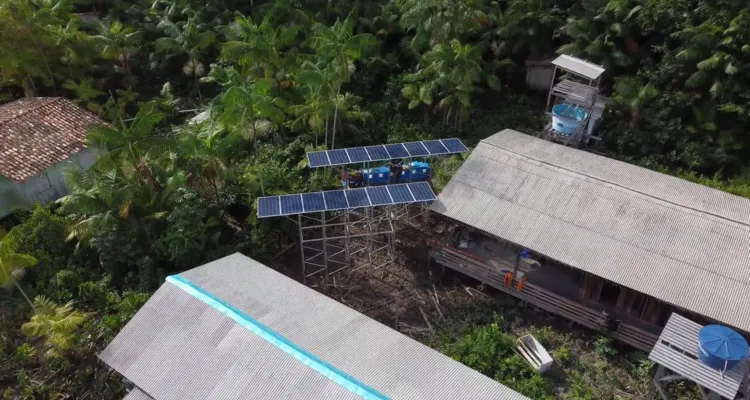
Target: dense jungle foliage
[[279, 78]]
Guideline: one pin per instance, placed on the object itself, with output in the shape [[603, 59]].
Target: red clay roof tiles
[[36, 133]]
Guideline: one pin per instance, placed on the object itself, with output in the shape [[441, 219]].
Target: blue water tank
[[566, 118], [720, 347]]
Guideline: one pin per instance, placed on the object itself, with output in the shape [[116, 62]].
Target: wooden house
[[610, 245]]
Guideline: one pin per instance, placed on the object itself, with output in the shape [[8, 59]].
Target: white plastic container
[[534, 353]]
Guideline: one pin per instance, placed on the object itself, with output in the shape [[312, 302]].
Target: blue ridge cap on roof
[[329, 371]]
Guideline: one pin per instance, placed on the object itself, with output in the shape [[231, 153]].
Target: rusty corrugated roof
[[678, 241], [36, 133]]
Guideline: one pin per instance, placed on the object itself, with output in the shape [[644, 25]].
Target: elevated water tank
[[720, 347], [566, 118]]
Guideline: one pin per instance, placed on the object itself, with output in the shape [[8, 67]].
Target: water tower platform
[[676, 352]]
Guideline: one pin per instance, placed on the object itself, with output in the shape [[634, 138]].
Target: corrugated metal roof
[[177, 347], [137, 394], [578, 66], [683, 243]]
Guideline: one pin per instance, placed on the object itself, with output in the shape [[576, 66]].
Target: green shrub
[[603, 347]]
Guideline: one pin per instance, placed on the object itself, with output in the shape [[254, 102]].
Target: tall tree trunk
[[335, 116], [24, 294], [198, 87], [44, 59], [326, 134], [257, 160]]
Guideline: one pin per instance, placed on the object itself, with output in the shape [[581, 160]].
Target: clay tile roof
[[36, 133]]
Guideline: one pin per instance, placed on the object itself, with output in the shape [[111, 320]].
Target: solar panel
[[357, 198], [379, 196], [416, 149], [435, 147], [338, 157], [268, 207], [385, 152], [454, 145], [377, 153], [318, 159], [357, 154], [400, 194], [331, 200], [336, 200], [291, 204], [422, 191], [313, 202], [396, 151]]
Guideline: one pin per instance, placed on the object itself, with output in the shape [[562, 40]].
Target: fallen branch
[[429, 325]]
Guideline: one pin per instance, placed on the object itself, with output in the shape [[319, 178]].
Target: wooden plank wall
[[542, 298]]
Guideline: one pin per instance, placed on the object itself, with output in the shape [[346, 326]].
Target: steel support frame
[[331, 242], [664, 375]]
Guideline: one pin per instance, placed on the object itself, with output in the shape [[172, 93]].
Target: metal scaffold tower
[[354, 228], [572, 101], [335, 241], [347, 229]]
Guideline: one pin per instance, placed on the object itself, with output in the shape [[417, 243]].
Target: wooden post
[[551, 85]]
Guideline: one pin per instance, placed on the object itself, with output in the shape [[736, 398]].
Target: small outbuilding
[[39, 138], [236, 329]]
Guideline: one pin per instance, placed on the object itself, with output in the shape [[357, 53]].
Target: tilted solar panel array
[[385, 152], [292, 204]]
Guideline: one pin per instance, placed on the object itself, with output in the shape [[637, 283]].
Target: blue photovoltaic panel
[[454, 145], [416, 149], [435, 147], [357, 198], [379, 196], [291, 204], [273, 206], [400, 194], [318, 159], [268, 207], [422, 191], [396, 151], [338, 157], [377, 153], [335, 200], [385, 152], [357, 154], [313, 202]]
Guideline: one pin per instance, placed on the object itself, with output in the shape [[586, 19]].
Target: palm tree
[[260, 49], [85, 93], [525, 25], [54, 325], [13, 264], [118, 42], [338, 48], [438, 21], [450, 73], [606, 34], [188, 38], [635, 95], [251, 111], [314, 112]]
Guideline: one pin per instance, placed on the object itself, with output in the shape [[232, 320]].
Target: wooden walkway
[[542, 298]]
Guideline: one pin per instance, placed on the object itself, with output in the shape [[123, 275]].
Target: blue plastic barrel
[[566, 118], [720, 347]]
